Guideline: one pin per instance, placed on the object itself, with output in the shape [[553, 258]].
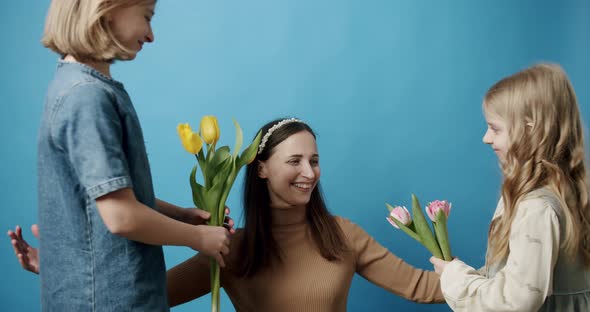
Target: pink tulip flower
[[401, 214], [436, 207]]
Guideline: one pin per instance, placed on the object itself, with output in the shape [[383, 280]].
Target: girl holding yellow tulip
[[538, 256], [102, 225]]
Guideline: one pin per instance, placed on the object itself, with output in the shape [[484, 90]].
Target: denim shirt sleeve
[[87, 127]]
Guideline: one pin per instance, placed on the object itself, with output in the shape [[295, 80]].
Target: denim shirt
[[91, 144]]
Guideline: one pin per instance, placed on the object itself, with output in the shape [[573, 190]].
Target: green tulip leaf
[[213, 198], [220, 175], [406, 229], [202, 164], [197, 189], [215, 164], [231, 177], [250, 152], [221, 155], [239, 138], [423, 230]]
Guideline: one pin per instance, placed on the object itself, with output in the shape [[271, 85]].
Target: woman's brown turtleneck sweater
[[304, 280]]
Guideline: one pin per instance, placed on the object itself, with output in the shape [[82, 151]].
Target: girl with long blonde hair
[[538, 256]]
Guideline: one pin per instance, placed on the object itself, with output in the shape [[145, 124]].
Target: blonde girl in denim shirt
[[538, 255], [102, 225]]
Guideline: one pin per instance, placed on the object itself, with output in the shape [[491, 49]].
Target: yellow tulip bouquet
[[219, 168]]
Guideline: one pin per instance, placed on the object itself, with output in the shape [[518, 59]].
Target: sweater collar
[[288, 216]]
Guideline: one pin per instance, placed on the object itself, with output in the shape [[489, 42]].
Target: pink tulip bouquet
[[437, 241]]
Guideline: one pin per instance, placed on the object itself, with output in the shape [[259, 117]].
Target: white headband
[[273, 129]]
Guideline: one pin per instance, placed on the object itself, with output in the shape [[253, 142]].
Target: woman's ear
[[262, 170]]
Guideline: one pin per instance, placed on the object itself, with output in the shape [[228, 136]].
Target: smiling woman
[[292, 172], [292, 254]]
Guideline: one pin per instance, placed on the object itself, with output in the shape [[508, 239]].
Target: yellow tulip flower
[[191, 141], [209, 129]]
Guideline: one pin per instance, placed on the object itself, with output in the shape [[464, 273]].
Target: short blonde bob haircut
[[80, 28]]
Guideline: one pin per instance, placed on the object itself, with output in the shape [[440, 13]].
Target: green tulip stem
[[215, 285], [442, 235], [220, 169]]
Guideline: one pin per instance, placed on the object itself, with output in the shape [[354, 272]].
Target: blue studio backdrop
[[393, 89]]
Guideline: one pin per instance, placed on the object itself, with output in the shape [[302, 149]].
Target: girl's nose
[[487, 137], [150, 36]]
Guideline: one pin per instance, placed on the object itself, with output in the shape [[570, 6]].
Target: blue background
[[393, 89]]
